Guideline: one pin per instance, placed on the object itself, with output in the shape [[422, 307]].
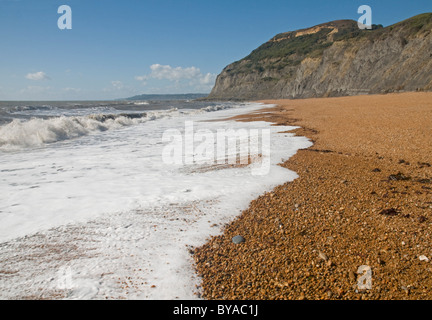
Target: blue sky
[[118, 49]]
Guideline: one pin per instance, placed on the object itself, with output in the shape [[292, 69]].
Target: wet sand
[[363, 198]]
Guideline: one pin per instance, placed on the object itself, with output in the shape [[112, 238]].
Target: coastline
[[363, 197], [176, 208]]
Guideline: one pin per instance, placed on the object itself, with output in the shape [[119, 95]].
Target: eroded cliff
[[334, 59]]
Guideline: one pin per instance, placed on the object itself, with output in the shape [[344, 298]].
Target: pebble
[[343, 222], [322, 256], [238, 239]]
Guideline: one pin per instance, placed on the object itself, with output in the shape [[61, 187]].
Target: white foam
[[37, 132], [117, 181]]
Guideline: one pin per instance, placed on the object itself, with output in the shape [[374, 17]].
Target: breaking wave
[[37, 132]]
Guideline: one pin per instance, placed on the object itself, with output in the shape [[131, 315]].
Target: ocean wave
[[52, 111], [32, 108], [216, 108], [37, 132]]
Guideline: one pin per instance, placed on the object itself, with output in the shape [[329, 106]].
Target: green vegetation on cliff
[[289, 49]]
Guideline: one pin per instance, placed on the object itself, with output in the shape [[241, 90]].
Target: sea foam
[[112, 211], [37, 132]]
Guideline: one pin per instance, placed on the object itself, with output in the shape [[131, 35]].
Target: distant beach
[[362, 202]]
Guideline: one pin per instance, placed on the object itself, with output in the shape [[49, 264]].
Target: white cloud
[[208, 79], [141, 78], [173, 74], [192, 75], [37, 76], [117, 85]]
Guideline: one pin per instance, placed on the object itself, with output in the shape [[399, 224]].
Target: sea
[[97, 200]]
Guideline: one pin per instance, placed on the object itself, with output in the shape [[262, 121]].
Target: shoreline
[[363, 197], [142, 251]]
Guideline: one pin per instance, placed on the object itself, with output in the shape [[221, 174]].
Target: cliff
[[334, 59]]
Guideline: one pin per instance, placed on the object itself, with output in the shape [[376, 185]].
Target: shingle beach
[[363, 198]]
